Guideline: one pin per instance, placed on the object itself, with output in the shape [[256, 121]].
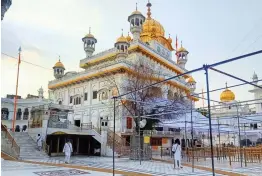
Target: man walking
[[39, 142], [67, 150], [176, 149]]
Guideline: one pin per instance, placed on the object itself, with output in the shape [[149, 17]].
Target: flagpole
[[15, 99]]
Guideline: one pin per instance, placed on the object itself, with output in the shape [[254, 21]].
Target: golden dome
[[128, 38], [227, 95], [136, 12], [89, 35], [191, 80], [59, 64], [153, 30], [182, 49], [121, 39]]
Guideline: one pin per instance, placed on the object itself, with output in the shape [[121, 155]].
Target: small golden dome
[[182, 49], [89, 35], [128, 38], [191, 80], [122, 39], [227, 96], [59, 64], [136, 12]]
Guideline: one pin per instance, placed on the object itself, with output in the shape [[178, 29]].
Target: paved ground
[[13, 168], [146, 167], [252, 169]]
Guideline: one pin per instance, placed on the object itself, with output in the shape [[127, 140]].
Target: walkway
[[252, 169], [128, 166], [27, 169]]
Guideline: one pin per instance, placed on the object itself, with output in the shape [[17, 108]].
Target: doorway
[[77, 123]]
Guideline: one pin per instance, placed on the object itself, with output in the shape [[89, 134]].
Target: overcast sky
[[211, 31]]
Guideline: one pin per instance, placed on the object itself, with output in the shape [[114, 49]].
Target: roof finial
[[226, 84], [59, 57], [127, 33], [89, 30], [181, 43], [136, 6], [122, 32], [169, 35], [148, 10]]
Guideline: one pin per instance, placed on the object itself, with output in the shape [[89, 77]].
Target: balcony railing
[[111, 50]]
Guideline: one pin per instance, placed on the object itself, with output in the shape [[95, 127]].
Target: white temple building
[[23, 110], [89, 92]]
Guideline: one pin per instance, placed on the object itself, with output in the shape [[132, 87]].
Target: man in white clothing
[[176, 149], [39, 142], [68, 149]]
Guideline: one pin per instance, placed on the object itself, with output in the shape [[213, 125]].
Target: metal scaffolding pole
[[192, 135], [239, 137], [209, 119], [114, 136]]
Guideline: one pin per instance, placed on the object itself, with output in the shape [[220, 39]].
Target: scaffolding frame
[[206, 69]]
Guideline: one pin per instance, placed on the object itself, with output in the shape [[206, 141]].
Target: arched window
[[26, 114], [4, 113], [132, 22], [122, 47], [60, 102], [19, 114], [137, 22]]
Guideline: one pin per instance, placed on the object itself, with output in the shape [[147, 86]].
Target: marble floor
[[13, 168], [252, 169], [124, 164]]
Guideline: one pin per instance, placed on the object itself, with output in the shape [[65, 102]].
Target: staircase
[[120, 147], [28, 147]]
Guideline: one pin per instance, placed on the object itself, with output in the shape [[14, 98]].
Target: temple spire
[[226, 84], [89, 30], [148, 10], [136, 6]]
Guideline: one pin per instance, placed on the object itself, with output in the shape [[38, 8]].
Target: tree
[[156, 103]]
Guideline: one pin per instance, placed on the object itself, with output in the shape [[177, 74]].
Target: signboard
[[164, 140], [146, 139]]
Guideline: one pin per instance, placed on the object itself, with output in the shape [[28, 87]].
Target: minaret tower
[[41, 93], [89, 44], [192, 84], [182, 56], [136, 20], [122, 45], [255, 78], [59, 69]]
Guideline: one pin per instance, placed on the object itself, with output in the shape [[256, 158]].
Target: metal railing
[[11, 140]]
